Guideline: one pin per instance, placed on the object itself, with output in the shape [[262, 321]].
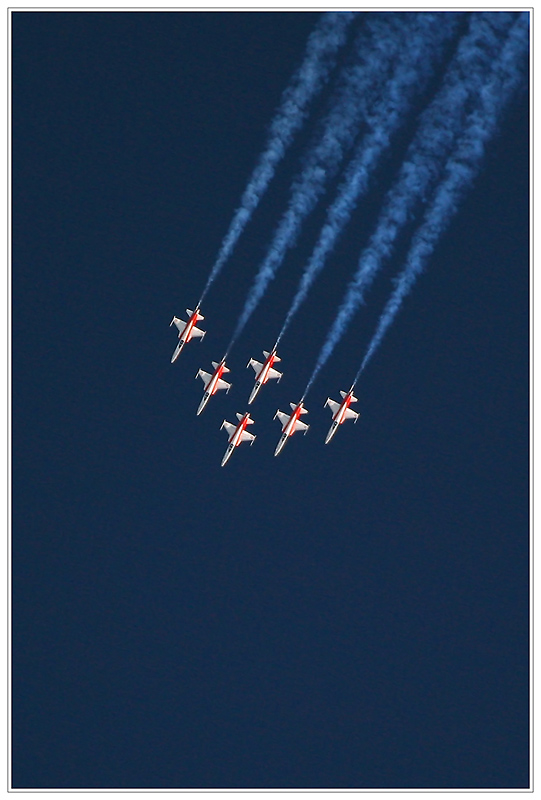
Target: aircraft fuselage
[[255, 390], [211, 386], [263, 375], [187, 332], [341, 415], [235, 438], [289, 429]]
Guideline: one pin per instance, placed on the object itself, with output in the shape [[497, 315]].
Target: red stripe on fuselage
[[187, 332], [213, 383], [264, 374], [339, 417], [290, 427], [240, 428]]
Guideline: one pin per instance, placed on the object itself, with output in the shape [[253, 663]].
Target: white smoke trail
[[425, 47], [476, 59], [322, 48], [461, 170], [392, 37]]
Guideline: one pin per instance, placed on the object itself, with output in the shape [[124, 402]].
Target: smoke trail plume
[[322, 48], [461, 170], [463, 88], [426, 43], [390, 35]]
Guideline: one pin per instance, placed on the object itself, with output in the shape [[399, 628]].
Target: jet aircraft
[[213, 382], [186, 330], [237, 434], [263, 371], [341, 412], [290, 424]]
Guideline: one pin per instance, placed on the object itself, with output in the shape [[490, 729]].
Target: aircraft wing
[[300, 426], [197, 332], [230, 428], [247, 437], [206, 376], [179, 323], [273, 373], [333, 405], [350, 414], [284, 418], [255, 364], [220, 384]]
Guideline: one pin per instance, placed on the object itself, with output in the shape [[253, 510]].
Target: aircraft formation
[[447, 77], [213, 382]]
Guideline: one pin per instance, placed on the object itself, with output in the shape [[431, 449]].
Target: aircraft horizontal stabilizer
[[303, 410], [216, 365], [199, 316], [266, 354]]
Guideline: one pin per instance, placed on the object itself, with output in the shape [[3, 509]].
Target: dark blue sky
[[348, 616]]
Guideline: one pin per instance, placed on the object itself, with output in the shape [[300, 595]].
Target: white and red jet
[[263, 371], [341, 412], [213, 382], [237, 434], [290, 424], [187, 330]]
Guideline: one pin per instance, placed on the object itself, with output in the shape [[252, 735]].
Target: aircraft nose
[[203, 403], [254, 392], [227, 454], [331, 432]]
